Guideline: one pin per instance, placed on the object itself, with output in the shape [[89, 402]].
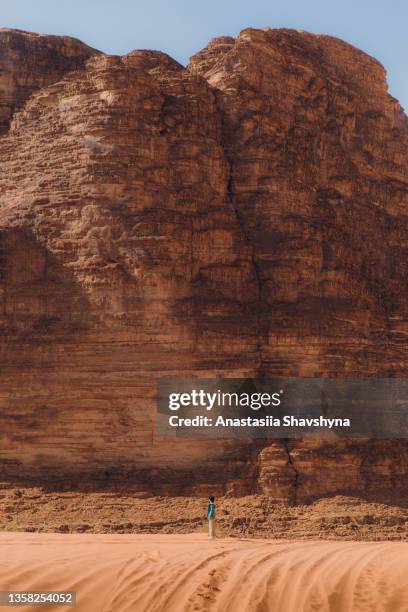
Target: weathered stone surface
[[30, 61], [245, 216], [319, 180]]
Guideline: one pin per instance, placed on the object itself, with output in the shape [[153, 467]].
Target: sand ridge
[[175, 573]]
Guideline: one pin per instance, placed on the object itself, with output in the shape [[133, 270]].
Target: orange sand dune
[[188, 572]]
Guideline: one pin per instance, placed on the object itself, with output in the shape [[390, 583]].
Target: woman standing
[[211, 517]]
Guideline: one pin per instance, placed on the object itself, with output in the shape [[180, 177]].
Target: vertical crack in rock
[[258, 445], [243, 230], [241, 225], [293, 497], [255, 265]]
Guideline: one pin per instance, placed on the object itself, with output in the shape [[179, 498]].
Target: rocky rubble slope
[[339, 517], [243, 216]]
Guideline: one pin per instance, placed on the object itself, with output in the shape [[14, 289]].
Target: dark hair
[[211, 498]]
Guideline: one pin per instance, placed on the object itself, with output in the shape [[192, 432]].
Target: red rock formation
[[317, 151], [29, 62], [241, 217]]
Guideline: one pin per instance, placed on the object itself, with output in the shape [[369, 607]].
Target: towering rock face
[[319, 181], [245, 216]]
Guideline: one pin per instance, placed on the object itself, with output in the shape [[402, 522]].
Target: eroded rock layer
[[243, 216]]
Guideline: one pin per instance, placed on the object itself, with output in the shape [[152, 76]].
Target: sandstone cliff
[[243, 216]]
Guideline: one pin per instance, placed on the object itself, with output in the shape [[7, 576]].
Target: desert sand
[[168, 573]]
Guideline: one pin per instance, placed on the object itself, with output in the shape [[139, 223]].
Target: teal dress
[[211, 511]]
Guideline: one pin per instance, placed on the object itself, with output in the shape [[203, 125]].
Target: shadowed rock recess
[[244, 216]]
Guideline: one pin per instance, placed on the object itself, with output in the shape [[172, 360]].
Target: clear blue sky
[[182, 27]]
